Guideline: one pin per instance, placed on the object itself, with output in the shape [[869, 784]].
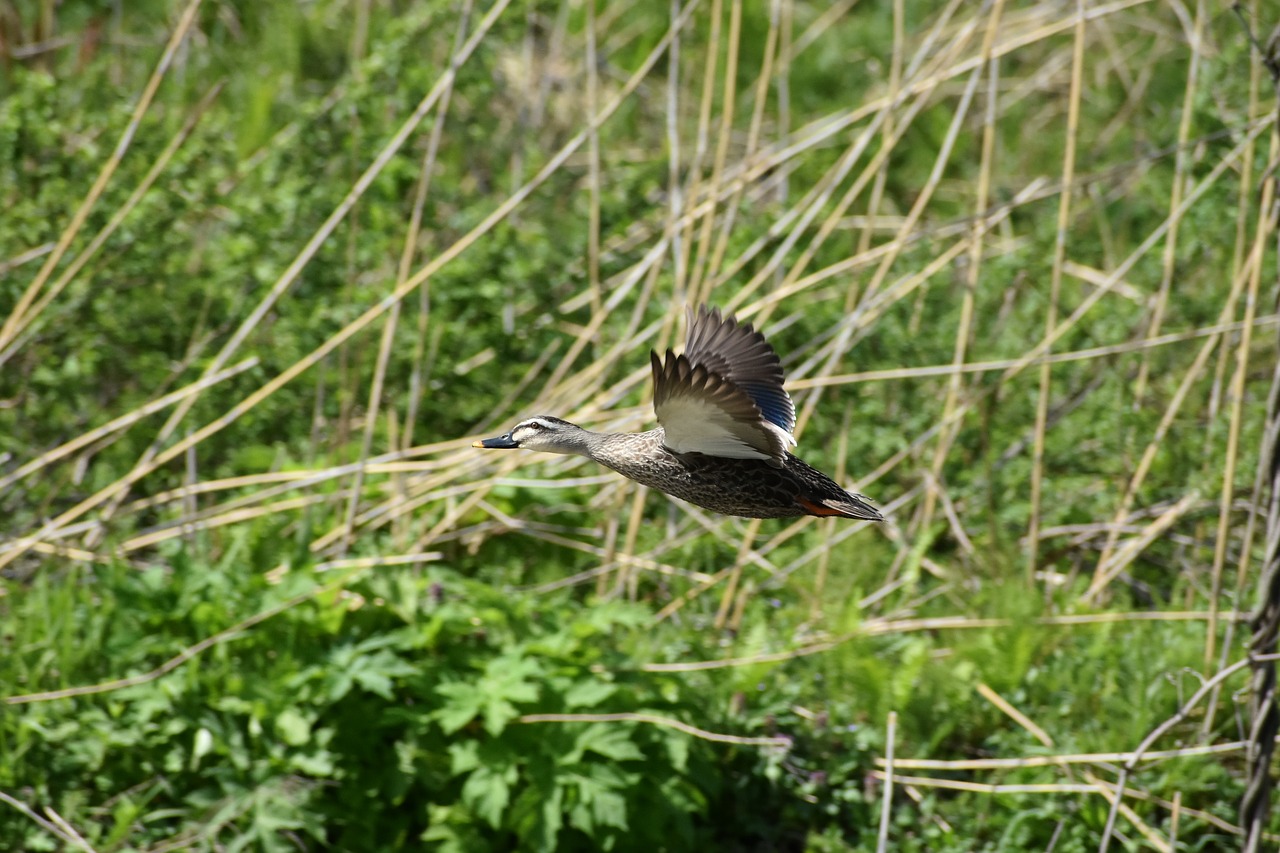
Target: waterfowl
[[725, 424]]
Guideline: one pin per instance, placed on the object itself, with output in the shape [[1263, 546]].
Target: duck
[[725, 426]]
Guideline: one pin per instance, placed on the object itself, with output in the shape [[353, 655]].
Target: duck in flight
[[725, 424]]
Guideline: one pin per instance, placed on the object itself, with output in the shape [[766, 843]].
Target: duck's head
[[543, 432]]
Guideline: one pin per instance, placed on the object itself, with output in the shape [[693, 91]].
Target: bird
[[725, 424]]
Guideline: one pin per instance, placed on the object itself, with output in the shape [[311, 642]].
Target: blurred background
[[268, 268]]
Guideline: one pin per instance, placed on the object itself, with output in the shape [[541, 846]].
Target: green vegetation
[[291, 608]]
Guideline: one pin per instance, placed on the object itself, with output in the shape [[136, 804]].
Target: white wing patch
[[695, 425]]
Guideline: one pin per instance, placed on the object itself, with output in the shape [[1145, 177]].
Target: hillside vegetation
[[268, 268]]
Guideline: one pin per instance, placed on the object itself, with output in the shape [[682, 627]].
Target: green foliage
[[315, 723], [390, 714]]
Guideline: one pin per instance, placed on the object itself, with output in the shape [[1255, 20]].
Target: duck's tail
[[854, 506]]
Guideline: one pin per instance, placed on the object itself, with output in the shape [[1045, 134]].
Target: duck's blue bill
[[502, 442]]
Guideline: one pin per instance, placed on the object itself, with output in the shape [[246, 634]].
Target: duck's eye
[[535, 425]]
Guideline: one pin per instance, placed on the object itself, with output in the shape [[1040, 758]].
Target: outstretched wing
[[741, 355], [724, 395]]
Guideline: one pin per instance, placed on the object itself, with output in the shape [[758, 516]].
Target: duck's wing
[[742, 355], [724, 395]]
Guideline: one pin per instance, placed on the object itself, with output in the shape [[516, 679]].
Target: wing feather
[[740, 354], [702, 412]]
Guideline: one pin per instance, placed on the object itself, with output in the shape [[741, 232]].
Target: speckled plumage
[[751, 488], [726, 423]]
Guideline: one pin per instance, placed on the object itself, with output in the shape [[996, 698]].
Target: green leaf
[[453, 830], [487, 792], [376, 672], [677, 751], [318, 764], [462, 702], [600, 798], [203, 746], [464, 757], [508, 678], [588, 694], [609, 808], [497, 713], [552, 818], [513, 677], [293, 727], [611, 741]]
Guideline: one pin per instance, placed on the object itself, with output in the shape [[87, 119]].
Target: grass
[[266, 271]]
